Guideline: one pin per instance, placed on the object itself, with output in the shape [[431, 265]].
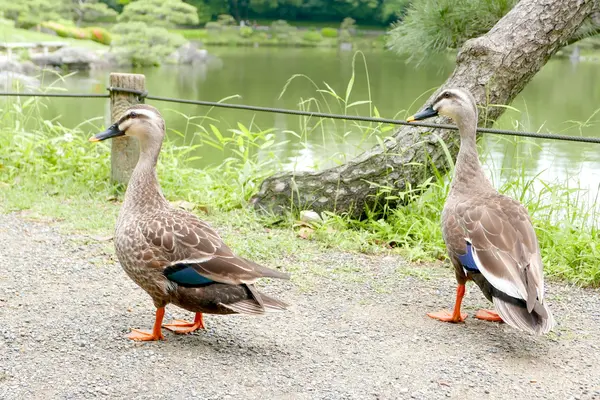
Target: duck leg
[[181, 326], [156, 333], [456, 315], [488, 315]]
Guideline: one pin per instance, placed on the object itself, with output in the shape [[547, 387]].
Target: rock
[[189, 53], [345, 46], [25, 67], [10, 81], [68, 57], [108, 59], [310, 216]]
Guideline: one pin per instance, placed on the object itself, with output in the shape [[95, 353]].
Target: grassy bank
[[10, 34], [54, 172], [233, 36]]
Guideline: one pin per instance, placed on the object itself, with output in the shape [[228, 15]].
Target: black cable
[[80, 95], [143, 94], [582, 139]]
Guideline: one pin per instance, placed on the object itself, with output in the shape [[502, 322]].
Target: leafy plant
[[213, 26], [226, 20], [138, 44], [312, 36], [99, 35], [28, 13], [348, 24], [282, 29], [245, 31], [160, 13], [68, 31], [329, 32], [92, 10]]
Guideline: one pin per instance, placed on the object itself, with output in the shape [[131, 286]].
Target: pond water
[[556, 100]]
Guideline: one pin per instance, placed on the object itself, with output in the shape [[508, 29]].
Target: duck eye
[[446, 95], [133, 114]]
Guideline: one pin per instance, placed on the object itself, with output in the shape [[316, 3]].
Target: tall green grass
[[41, 158]]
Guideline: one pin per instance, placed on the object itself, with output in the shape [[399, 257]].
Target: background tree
[[138, 44], [28, 13], [376, 12], [91, 10], [432, 26], [494, 67], [160, 12]]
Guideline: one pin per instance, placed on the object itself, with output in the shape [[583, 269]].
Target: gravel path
[[65, 306]]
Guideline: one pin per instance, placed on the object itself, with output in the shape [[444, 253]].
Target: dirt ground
[[66, 305]]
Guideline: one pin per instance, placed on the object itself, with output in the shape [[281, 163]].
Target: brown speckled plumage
[[151, 235], [504, 243]]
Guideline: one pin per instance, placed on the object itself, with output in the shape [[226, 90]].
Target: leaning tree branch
[[494, 67]]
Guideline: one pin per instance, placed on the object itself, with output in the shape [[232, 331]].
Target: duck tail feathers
[[268, 272], [539, 322], [252, 307]]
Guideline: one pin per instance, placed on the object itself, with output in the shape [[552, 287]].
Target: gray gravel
[[65, 306]]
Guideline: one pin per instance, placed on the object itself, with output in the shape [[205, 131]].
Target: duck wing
[[504, 246], [189, 250]]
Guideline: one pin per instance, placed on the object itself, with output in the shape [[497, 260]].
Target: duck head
[[141, 121], [454, 103]]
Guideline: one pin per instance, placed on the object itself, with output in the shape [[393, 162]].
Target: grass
[[15, 35], [54, 172]]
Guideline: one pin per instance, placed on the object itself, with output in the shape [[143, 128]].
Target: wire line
[[143, 94]]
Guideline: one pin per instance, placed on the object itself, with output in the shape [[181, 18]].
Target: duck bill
[[426, 113], [111, 132]]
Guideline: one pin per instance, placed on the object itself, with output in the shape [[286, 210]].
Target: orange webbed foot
[[182, 327], [488, 315], [143, 336], [447, 316]]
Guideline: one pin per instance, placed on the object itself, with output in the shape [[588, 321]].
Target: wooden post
[[125, 150]]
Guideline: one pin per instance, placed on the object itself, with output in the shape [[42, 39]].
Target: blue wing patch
[[467, 260], [186, 276]]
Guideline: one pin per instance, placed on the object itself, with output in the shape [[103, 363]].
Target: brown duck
[[489, 237], [171, 254]]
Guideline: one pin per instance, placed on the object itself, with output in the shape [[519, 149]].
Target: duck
[[169, 252], [489, 236]]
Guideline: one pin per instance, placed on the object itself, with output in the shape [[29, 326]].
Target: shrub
[[192, 34], [348, 24], [213, 26], [246, 31], [30, 13], [99, 35], [160, 13], [138, 44], [226, 20], [345, 36], [329, 32], [262, 36], [313, 37], [7, 23], [68, 31], [282, 29]]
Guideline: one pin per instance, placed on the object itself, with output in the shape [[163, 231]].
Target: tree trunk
[[494, 67]]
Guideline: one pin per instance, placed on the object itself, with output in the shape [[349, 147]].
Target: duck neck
[[468, 172], [144, 189]]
